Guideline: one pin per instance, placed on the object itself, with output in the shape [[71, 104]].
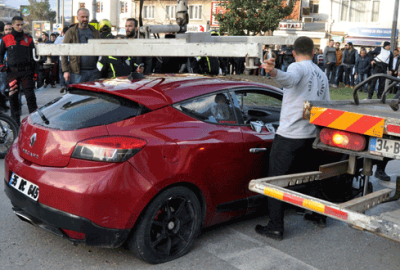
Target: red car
[[147, 162]]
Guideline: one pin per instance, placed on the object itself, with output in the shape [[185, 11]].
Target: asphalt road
[[233, 245]]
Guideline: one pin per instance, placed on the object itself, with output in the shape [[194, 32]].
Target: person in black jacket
[[348, 62], [380, 64], [362, 67], [21, 66]]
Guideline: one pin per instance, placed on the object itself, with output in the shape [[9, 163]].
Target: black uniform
[[205, 65], [21, 66], [114, 66]]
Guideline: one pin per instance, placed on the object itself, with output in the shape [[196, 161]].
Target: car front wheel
[[169, 226]]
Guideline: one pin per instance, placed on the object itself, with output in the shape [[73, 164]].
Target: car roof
[[157, 91]]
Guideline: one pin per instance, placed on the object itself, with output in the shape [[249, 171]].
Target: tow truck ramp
[[351, 212]]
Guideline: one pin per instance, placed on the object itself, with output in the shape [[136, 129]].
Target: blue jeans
[[84, 76], [361, 78]]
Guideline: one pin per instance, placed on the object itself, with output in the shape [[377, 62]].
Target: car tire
[[169, 226]]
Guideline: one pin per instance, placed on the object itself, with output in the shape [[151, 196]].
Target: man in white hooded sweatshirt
[[292, 150], [380, 64]]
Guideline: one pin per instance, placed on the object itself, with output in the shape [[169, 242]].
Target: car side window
[[216, 108], [259, 105]]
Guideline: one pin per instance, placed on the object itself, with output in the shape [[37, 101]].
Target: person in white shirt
[[381, 64], [303, 81]]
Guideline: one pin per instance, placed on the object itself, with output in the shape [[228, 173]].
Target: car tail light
[[74, 234], [108, 149], [342, 139]]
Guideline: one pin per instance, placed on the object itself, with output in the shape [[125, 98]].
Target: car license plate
[[384, 147], [24, 186]]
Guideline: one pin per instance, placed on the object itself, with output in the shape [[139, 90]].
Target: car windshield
[[81, 109]]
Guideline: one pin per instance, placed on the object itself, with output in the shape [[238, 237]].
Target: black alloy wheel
[[169, 226]]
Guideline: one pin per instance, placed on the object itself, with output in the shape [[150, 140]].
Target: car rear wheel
[[169, 226]]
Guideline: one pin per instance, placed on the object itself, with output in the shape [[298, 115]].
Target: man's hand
[[3, 68], [269, 66], [372, 62], [66, 76], [13, 87], [328, 63]]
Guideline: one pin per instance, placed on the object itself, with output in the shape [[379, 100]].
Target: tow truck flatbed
[[373, 123]]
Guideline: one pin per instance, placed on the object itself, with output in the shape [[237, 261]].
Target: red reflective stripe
[[327, 117], [364, 124], [293, 199], [9, 40], [336, 213], [393, 129]]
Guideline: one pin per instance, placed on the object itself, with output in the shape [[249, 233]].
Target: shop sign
[[370, 32]]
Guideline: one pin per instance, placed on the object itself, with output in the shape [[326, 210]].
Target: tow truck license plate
[[384, 147], [24, 186]]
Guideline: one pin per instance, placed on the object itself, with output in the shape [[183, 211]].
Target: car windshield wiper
[[45, 120]]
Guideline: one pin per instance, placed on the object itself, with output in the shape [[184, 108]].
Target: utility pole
[[94, 10], [393, 41]]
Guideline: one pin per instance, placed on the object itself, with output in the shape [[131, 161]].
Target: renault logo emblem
[[33, 139]]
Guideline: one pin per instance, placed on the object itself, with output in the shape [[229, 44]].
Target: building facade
[[156, 12], [7, 13]]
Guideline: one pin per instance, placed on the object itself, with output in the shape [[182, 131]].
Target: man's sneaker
[[44, 85], [53, 86], [62, 90], [347, 85], [334, 86], [381, 175], [263, 230]]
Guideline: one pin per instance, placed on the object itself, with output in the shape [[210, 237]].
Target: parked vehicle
[[149, 162]]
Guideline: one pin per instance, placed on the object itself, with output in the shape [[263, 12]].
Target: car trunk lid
[[49, 147]]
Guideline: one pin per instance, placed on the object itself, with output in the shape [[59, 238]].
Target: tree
[[40, 11], [251, 17]]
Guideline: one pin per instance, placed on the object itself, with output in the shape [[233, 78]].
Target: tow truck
[[366, 130]]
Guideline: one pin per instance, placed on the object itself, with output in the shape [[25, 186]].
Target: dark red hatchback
[[147, 162]]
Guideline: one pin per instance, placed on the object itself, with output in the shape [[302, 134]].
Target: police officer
[[19, 48], [105, 29]]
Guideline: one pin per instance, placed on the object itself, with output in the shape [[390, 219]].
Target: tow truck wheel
[[169, 226]]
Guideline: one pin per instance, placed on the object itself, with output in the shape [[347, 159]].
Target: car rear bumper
[[54, 220]]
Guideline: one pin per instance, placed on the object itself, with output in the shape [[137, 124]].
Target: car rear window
[[82, 109]]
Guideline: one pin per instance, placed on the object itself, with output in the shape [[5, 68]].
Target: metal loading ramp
[[351, 212]]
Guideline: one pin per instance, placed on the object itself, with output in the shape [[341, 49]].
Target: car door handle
[[257, 150]]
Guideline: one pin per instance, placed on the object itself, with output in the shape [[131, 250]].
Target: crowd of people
[[350, 67]]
